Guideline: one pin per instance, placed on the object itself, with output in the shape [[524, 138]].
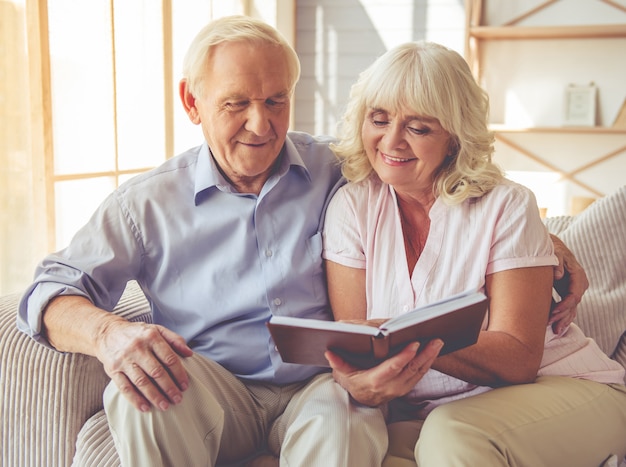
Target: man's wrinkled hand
[[144, 362], [570, 282]]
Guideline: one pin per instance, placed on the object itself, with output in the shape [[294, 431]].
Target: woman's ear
[[189, 101]]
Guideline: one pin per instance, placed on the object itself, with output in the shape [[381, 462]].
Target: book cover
[[456, 320]]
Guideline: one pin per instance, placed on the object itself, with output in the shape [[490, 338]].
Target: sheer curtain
[[88, 98], [19, 245]]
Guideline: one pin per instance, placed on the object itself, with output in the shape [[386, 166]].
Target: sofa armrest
[[47, 396]]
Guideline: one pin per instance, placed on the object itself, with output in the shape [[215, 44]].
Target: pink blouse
[[499, 231]]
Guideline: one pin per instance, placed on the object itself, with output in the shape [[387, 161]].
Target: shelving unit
[[476, 31], [525, 31], [549, 32], [560, 129]]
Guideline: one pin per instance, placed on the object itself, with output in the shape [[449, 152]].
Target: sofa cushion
[[94, 445], [597, 236]]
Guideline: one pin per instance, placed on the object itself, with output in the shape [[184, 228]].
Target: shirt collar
[[209, 176]]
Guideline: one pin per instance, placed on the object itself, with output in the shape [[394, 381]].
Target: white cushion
[[597, 236]]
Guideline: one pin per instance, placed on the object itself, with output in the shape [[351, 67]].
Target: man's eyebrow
[[243, 98], [234, 97], [280, 95], [231, 99]]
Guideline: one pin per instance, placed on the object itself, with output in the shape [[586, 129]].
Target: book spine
[[380, 346]]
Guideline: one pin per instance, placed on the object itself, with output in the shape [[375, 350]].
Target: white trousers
[[223, 419]]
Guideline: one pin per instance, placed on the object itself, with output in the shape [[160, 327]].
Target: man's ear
[[189, 101]]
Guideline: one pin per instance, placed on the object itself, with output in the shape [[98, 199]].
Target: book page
[[432, 310]]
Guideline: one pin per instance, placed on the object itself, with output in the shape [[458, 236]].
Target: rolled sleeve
[[97, 264]]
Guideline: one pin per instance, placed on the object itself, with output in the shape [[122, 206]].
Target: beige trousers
[[223, 419], [556, 421]]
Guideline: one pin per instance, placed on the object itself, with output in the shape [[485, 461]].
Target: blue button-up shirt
[[214, 264]]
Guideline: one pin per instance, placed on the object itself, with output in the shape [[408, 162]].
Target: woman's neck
[[415, 220]]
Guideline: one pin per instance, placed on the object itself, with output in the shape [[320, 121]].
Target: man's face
[[244, 110]]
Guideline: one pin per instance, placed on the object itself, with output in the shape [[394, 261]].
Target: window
[[88, 94]]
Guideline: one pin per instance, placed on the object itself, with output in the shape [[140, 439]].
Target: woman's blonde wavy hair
[[429, 80]]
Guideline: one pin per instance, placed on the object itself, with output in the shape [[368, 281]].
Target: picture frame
[[580, 105]]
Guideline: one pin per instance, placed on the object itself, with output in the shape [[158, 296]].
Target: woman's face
[[404, 149]]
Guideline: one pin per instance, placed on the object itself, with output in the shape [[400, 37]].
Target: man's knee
[[198, 409], [187, 433]]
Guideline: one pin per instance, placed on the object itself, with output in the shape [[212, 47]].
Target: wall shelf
[[561, 129], [605, 31]]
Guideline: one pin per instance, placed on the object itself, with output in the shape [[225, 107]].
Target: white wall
[[337, 39]]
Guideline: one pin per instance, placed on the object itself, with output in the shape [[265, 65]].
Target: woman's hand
[[392, 378], [570, 281]]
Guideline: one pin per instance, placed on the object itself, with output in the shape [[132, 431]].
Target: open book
[[456, 320]]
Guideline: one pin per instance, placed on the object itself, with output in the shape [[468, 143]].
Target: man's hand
[[570, 281], [144, 361], [393, 378]]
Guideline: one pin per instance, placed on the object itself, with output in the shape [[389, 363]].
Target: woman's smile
[[394, 160]]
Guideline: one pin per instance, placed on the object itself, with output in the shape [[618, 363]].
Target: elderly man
[[219, 238]]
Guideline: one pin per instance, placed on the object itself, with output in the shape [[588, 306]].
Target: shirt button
[[268, 253], [405, 308], [277, 301]]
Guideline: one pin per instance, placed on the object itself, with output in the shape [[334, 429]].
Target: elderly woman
[[427, 214]]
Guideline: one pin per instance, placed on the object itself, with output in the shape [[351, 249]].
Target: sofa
[[51, 402]]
